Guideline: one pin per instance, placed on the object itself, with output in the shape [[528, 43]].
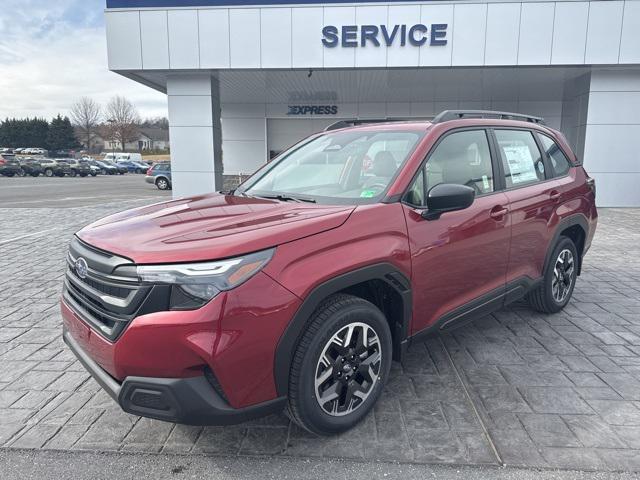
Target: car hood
[[209, 227]]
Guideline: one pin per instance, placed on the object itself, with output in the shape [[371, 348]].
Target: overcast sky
[[54, 51]]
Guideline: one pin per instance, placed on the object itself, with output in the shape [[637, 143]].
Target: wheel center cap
[[347, 367]]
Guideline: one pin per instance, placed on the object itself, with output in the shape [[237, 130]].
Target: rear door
[[459, 261], [533, 195]]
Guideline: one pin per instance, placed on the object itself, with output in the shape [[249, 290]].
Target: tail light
[[2, 161], [591, 183], [149, 171]]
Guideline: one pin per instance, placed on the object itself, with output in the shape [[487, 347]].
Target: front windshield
[[338, 167]]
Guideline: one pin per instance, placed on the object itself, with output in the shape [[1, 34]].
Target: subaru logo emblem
[[81, 267]]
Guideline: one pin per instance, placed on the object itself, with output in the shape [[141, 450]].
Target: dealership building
[[247, 78]]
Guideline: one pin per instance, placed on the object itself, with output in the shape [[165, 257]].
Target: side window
[[462, 158], [521, 157], [559, 160]]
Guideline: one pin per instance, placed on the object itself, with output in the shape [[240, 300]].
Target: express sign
[[376, 35]]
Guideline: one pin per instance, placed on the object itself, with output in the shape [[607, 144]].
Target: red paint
[[450, 261]]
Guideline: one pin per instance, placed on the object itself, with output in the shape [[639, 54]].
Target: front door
[[459, 261]]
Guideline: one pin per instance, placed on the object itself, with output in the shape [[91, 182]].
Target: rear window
[[559, 160]]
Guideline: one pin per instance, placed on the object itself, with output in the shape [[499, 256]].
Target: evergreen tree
[[61, 135]]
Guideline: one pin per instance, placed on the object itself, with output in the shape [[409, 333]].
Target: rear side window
[[521, 157], [559, 160]]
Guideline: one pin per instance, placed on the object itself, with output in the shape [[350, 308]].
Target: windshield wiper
[[287, 198]]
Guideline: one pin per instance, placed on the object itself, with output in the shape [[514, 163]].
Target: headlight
[[194, 284]]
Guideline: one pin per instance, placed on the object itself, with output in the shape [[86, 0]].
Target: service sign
[[352, 36]]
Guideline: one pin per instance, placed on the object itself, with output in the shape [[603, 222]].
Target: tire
[[554, 293], [162, 183], [93, 174], [73, 173], [21, 173], [338, 318], [48, 172], [35, 174]]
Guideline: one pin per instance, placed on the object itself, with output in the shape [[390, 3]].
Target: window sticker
[[520, 163], [485, 182], [368, 194]]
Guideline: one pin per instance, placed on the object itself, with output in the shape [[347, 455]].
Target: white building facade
[[247, 78]]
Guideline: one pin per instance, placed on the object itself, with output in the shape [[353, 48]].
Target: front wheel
[[73, 173], [48, 172], [559, 280], [340, 365], [21, 173]]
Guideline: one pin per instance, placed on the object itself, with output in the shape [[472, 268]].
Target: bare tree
[[86, 115], [123, 120]]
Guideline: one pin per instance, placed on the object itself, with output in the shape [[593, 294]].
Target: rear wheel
[[559, 280], [340, 365], [162, 183], [73, 173], [21, 173], [48, 172]]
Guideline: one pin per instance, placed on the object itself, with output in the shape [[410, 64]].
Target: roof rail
[[460, 114], [352, 122]]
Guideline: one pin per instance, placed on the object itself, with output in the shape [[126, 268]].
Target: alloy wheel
[[562, 280], [348, 369]]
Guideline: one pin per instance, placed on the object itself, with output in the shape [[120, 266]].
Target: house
[[149, 138]]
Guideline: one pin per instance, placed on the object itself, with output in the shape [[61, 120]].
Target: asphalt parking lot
[[516, 388], [56, 192]]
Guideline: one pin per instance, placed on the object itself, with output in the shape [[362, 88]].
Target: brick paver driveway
[[517, 387]]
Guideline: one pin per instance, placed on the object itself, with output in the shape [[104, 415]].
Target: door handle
[[498, 212], [554, 195]]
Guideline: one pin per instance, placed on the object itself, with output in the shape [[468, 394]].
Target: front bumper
[[189, 401], [150, 179]]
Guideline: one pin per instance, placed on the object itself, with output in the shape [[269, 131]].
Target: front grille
[[110, 294]]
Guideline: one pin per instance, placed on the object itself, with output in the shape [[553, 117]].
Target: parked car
[[9, 165], [121, 169], [30, 166], [131, 167], [298, 289], [106, 168], [142, 167], [77, 167], [123, 156], [51, 167], [93, 166], [160, 175]]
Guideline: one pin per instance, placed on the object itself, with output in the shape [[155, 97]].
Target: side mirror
[[447, 197]]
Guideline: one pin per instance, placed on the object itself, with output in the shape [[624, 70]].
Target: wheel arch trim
[[385, 272], [567, 222]]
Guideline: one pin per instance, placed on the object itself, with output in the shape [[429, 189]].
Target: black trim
[[289, 340], [189, 401], [479, 307], [573, 220]]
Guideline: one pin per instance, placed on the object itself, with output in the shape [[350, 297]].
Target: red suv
[[298, 289]]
